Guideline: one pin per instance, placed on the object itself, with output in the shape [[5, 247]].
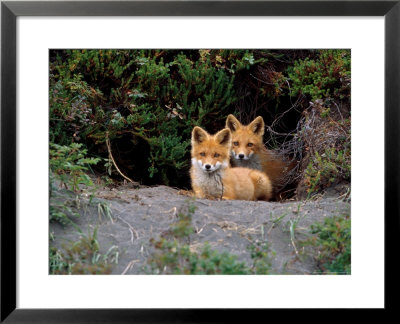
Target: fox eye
[[236, 143], [250, 144], [203, 154], [216, 155]]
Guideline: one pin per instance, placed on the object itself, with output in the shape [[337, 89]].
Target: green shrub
[[326, 169], [72, 103], [327, 76], [149, 98], [333, 244], [69, 164]]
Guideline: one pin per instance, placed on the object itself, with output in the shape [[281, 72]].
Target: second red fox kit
[[212, 176], [248, 151]]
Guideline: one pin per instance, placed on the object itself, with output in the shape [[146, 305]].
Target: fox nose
[[207, 166], [241, 156]]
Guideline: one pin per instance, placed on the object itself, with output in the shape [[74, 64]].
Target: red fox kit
[[248, 151], [212, 176]]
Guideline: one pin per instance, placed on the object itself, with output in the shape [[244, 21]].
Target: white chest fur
[[210, 183]]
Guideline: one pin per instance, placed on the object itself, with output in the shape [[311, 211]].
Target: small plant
[[327, 76], [107, 181], [83, 257], [325, 136], [182, 229], [210, 261], [70, 164], [333, 243], [103, 209], [325, 169], [57, 264], [60, 212], [176, 258], [259, 253], [174, 254]]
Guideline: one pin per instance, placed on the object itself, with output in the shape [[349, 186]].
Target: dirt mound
[[135, 216]]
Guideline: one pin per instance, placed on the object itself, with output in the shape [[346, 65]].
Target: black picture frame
[[10, 10]]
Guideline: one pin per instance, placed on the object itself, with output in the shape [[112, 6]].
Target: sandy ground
[[139, 215]]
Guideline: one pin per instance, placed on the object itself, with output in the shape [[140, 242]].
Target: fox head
[[210, 152], [246, 140]]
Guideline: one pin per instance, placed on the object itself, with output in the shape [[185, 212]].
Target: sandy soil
[[139, 215]]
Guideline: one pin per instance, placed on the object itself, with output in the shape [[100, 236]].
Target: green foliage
[[146, 102], [259, 253], [327, 76], [83, 257], [69, 164], [327, 168], [182, 228], [56, 262], [60, 212], [173, 254], [176, 258], [333, 243], [152, 97], [71, 102]]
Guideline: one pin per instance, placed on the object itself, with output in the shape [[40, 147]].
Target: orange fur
[[248, 150], [212, 176]]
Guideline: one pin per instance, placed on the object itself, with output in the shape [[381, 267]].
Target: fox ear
[[198, 135], [257, 126], [232, 123], [224, 137]]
